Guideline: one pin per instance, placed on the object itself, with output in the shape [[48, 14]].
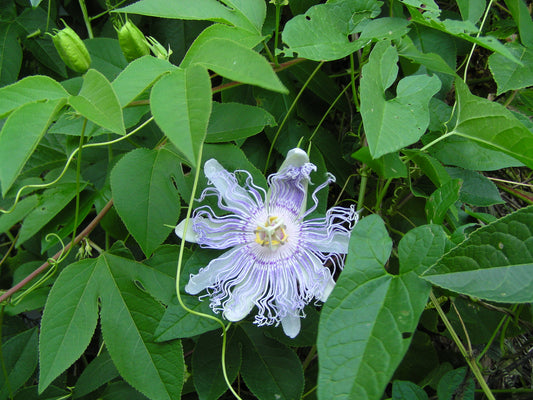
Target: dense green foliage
[[421, 110]]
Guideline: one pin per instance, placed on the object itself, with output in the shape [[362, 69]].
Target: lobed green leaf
[[393, 124]]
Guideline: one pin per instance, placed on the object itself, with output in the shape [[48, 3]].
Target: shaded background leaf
[[153, 201]]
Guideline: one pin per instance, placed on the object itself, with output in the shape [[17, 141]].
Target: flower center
[[272, 233]]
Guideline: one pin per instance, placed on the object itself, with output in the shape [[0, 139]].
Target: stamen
[[272, 233]]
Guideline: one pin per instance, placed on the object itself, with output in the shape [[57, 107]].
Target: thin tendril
[[289, 112], [78, 174], [69, 160], [478, 34], [53, 267], [327, 112], [178, 274], [468, 357]]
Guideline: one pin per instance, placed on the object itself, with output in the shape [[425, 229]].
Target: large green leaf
[[232, 121], [98, 102], [106, 56], [494, 263], [428, 15], [393, 124], [152, 202], [492, 125], [178, 322], [404, 390], [158, 274], [19, 358], [22, 209], [100, 371], [387, 166], [139, 75], [21, 134], [522, 16], [322, 33], [207, 364], [367, 323], [468, 154], [181, 105], [512, 76], [29, 90], [477, 189], [10, 54], [251, 13], [237, 62], [270, 369], [129, 316], [247, 14], [69, 319], [239, 35], [432, 61]]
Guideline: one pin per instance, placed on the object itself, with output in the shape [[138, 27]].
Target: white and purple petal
[[278, 262]]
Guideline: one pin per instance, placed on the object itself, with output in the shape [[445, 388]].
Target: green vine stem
[[327, 112], [478, 34], [78, 174], [278, 4], [178, 274], [86, 19], [45, 265], [468, 357], [515, 192], [381, 195], [293, 105]]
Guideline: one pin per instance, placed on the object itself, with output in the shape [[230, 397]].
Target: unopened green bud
[[72, 50], [132, 41], [158, 49]]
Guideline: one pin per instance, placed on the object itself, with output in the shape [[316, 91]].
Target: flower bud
[[132, 41], [72, 50]]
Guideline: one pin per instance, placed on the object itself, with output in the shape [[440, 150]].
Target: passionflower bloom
[[277, 260]]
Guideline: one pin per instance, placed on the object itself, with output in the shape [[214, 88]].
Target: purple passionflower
[[277, 259]]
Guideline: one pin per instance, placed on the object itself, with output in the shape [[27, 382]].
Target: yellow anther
[[272, 233]]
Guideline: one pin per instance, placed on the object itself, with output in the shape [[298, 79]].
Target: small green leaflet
[[20, 136], [181, 105], [153, 203], [98, 102]]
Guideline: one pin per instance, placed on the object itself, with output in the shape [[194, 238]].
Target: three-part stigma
[[272, 233]]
